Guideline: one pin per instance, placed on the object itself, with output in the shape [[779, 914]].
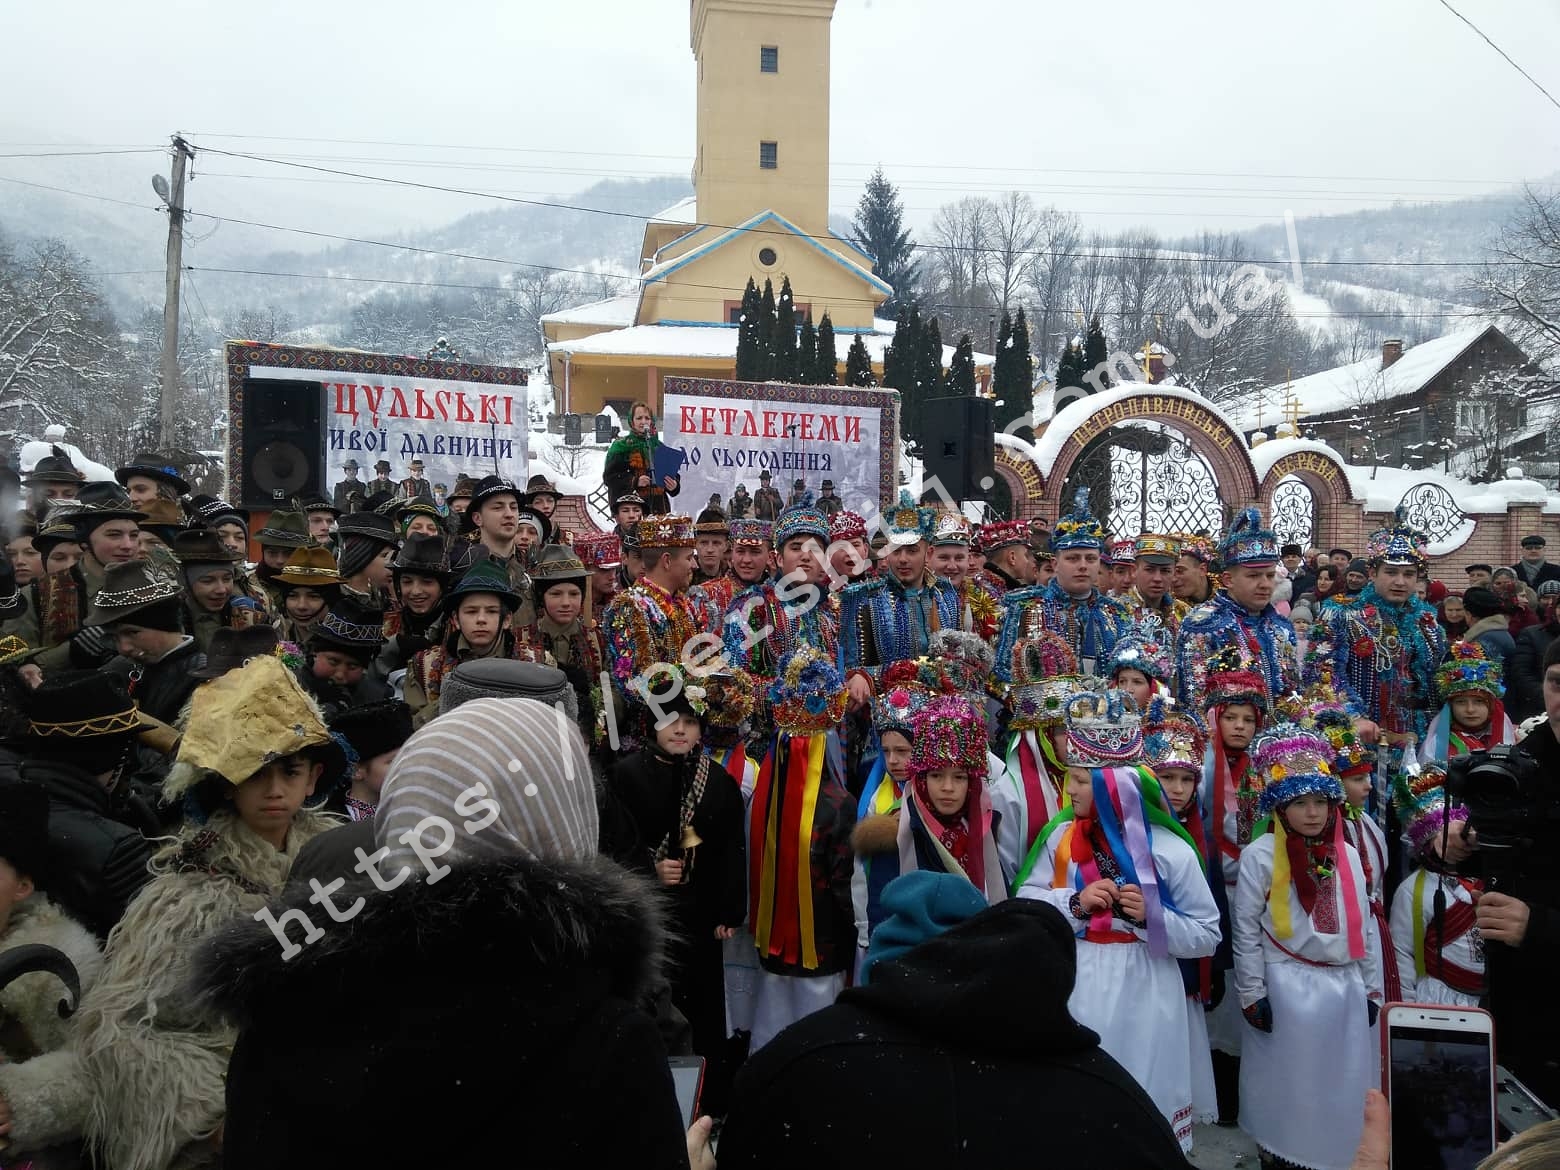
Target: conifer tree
[[749, 348], [1096, 351], [878, 227], [806, 354], [766, 333], [1069, 367], [785, 368], [1013, 379], [826, 367], [900, 362], [858, 364], [961, 370]]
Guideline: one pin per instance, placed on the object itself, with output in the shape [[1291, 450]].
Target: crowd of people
[[437, 801]]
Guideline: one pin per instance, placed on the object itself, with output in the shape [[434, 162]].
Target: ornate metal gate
[[1294, 511], [1147, 478], [1430, 508]]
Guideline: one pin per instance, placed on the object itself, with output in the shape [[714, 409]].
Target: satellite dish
[[160, 185]]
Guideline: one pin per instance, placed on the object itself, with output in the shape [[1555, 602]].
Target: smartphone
[[688, 1076], [1439, 1067]]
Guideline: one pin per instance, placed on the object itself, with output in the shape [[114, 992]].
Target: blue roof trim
[[757, 221], [853, 246]]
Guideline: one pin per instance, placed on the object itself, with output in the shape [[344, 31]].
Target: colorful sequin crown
[[1164, 548], [952, 528], [949, 732], [1145, 649], [1419, 794], [722, 698], [1079, 528], [1468, 670], [1289, 762], [1104, 729], [665, 532], [1198, 547], [847, 525], [906, 523], [1232, 681], [1044, 675], [896, 708], [1174, 742], [801, 520], [599, 550], [964, 660], [1321, 708], [1247, 542], [1002, 534], [1123, 552], [752, 533], [1397, 544], [808, 695]]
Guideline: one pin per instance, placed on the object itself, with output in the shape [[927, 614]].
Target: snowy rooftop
[[1350, 385], [617, 312], [683, 211], [1049, 445], [715, 341]]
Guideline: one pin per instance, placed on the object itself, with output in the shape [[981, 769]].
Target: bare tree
[[1522, 278], [1014, 231], [268, 322], [1049, 274], [960, 253], [1139, 286], [537, 293]]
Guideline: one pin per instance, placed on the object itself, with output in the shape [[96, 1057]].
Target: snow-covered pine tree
[[1096, 353], [766, 333], [826, 368], [858, 364], [878, 227]]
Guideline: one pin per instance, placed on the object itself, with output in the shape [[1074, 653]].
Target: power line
[[1531, 79], [80, 194], [88, 153]]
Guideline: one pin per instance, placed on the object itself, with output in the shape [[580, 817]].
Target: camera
[[1509, 802]]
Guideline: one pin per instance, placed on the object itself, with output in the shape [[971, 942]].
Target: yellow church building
[[760, 210]]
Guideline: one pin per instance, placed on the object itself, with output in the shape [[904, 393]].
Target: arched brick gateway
[[1024, 482], [1338, 512]]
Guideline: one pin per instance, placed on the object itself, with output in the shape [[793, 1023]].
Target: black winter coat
[[958, 1053], [1525, 680], [162, 689], [98, 856], [483, 1020]]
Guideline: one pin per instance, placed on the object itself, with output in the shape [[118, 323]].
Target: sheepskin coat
[[486, 1019], [40, 1076], [156, 1069]]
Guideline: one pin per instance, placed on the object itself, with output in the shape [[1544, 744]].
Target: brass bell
[[690, 839]]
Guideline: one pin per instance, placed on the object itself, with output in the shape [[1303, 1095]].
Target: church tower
[[763, 110]]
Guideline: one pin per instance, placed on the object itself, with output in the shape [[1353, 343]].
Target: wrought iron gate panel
[[1157, 483], [1294, 511], [1430, 508]]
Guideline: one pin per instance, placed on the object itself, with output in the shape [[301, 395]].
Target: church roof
[[685, 210], [719, 237], [717, 341], [614, 311]]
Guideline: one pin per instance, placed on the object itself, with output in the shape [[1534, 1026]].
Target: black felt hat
[[230, 649], [351, 626], [153, 467]]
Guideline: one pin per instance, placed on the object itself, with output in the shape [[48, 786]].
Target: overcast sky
[[1088, 105]]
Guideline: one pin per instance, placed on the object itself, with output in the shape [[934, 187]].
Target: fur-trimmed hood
[[536, 920]]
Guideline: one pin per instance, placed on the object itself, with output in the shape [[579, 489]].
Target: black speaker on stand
[[284, 441], [960, 446]]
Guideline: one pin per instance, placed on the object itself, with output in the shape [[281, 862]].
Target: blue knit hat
[[1079, 528], [1248, 543], [917, 907]]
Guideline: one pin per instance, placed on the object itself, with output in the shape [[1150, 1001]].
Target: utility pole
[[168, 398]]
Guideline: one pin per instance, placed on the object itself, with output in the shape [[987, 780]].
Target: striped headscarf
[[530, 761]]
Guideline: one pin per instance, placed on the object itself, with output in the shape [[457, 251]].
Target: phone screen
[[688, 1077], [1442, 1108]]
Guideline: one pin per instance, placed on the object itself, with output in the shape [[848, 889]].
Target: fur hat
[[373, 729], [712, 522], [504, 678]]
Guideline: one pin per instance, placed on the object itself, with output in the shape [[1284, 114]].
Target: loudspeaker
[[284, 441], [959, 445]]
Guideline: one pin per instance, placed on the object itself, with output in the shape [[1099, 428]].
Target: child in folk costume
[[1440, 953], [799, 853], [1127, 876], [1303, 971], [875, 838], [945, 817], [1174, 748], [1472, 718], [1027, 795], [1141, 664]]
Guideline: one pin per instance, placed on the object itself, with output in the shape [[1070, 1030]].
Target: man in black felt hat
[[627, 511], [146, 477], [54, 477], [321, 516], [80, 727], [798, 494], [420, 577], [767, 504], [492, 524], [1532, 568], [143, 614], [347, 486], [109, 534], [340, 651], [368, 545], [416, 486]]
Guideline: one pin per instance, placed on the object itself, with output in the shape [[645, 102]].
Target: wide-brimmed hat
[[463, 489], [55, 467], [153, 467], [351, 465], [285, 529], [127, 589], [423, 555], [494, 485], [309, 568], [13, 650], [317, 503], [89, 517], [540, 485], [367, 526], [554, 563], [160, 513], [213, 511], [76, 705], [246, 719], [201, 546], [56, 532], [348, 624], [382, 465], [485, 575], [374, 728], [417, 506], [231, 648]]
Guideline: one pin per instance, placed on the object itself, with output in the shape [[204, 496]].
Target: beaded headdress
[[802, 520], [722, 698], [847, 525], [962, 660], [1468, 670], [1123, 552], [1079, 528], [896, 708], [1175, 742], [1232, 681], [808, 695], [1144, 649], [751, 533], [949, 732], [1157, 549], [1044, 672], [599, 550], [1104, 729], [1419, 793], [1247, 542], [1002, 534], [1321, 708], [1289, 762], [669, 531], [906, 523], [1199, 548], [952, 528], [1397, 544]]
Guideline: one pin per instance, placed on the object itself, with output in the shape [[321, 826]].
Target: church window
[[768, 155], [769, 59]]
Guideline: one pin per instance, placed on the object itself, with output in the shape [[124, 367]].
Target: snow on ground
[[36, 450]]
